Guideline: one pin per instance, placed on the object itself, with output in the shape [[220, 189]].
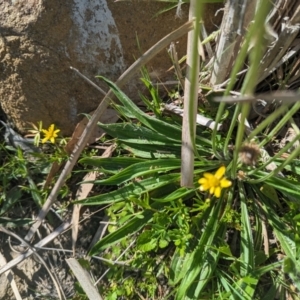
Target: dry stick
[[190, 104], [124, 78], [33, 250], [29, 252]]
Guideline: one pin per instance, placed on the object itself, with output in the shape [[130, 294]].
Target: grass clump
[[233, 233], [239, 242]]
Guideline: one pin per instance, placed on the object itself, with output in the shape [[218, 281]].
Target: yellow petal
[[218, 192], [209, 176], [211, 190], [220, 172], [204, 187], [44, 140], [225, 183], [202, 180]]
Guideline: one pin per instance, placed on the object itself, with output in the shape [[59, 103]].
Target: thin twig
[[29, 252], [10, 278], [8, 232], [115, 262], [84, 279]]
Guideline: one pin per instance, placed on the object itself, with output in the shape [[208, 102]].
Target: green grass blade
[[194, 264], [10, 198], [112, 164], [152, 151], [135, 133], [283, 185], [153, 123], [181, 193], [247, 246], [142, 169], [133, 226], [134, 189]]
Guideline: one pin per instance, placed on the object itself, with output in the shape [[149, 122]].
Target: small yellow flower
[[50, 134], [214, 183]]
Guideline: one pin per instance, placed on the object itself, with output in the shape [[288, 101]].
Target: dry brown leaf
[[110, 116], [84, 279]]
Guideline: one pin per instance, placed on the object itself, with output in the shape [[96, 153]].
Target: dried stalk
[[29, 252], [33, 250], [84, 279], [190, 98]]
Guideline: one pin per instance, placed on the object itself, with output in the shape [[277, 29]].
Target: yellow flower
[[50, 134], [214, 183]]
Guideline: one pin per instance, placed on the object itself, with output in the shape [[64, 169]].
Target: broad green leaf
[[265, 269], [124, 111], [134, 189], [177, 265], [205, 275], [271, 193], [283, 185], [152, 151], [142, 169], [171, 131], [35, 193], [225, 250], [146, 242], [163, 243], [133, 133]]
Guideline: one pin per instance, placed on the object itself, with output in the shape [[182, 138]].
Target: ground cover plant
[[209, 210]]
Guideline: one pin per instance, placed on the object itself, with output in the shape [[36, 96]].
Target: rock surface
[[41, 39]]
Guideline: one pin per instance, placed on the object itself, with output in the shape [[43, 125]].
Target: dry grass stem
[[29, 252], [84, 279], [33, 250], [190, 103], [10, 277]]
